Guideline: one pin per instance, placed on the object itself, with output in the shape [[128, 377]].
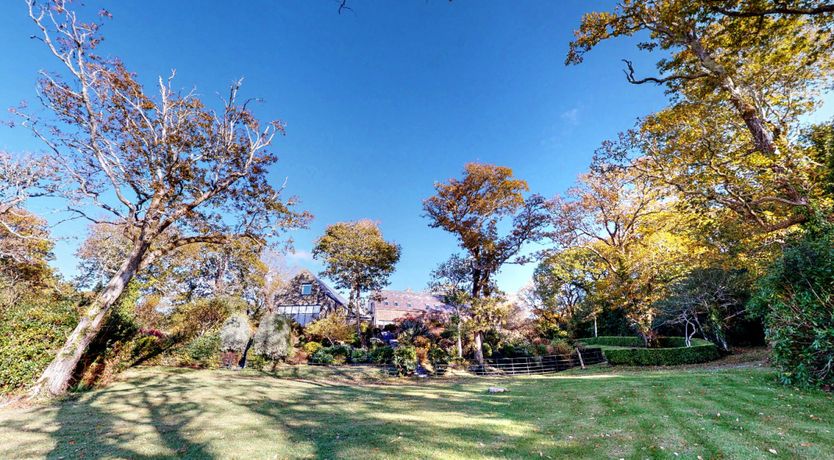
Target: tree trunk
[[56, 378], [460, 341], [595, 326], [479, 351], [356, 309]]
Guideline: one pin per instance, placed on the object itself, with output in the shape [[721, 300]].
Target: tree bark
[[479, 351], [56, 378]]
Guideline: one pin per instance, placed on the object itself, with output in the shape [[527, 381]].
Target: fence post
[[581, 362]]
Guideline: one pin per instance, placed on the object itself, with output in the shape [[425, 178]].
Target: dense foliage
[[673, 352], [796, 298], [30, 332]]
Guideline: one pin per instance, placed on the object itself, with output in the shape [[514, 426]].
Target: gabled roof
[[327, 289]]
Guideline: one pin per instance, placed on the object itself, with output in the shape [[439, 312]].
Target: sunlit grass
[[308, 412]]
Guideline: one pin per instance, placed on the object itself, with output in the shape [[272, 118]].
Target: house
[[386, 306], [306, 298]]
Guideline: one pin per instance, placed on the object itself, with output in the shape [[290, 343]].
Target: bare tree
[[173, 171]]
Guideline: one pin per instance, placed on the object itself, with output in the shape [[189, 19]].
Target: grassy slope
[[314, 413]]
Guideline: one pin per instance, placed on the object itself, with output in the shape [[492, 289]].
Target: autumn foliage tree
[[357, 257], [618, 219], [740, 76], [172, 170], [473, 208]]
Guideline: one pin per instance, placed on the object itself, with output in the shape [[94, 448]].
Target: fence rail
[[506, 366], [538, 364]]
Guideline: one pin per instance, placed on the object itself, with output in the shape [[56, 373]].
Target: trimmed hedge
[[675, 351], [613, 341]]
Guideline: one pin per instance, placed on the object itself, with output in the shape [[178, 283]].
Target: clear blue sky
[[380, 103]]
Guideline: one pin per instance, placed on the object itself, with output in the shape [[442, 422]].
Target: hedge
[[614, 341], [675, 351]]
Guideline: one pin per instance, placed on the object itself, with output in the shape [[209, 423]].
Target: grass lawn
[[352, 413]]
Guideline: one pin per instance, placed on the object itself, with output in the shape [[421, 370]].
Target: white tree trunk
[[479, 351], [56, 378]]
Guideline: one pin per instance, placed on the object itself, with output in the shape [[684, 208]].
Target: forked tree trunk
[[56, 378]]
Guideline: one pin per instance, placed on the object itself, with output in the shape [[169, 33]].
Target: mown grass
[[355, 413]]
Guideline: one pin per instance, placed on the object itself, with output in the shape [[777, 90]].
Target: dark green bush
[[360, 356], [204, 351], [614, 341], [382, 355], [438, 355], [796, 299], [405, 359], [701, 351], [322, 356]]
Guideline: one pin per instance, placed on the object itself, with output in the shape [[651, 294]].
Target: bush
[[200, 316], [438, 355], [405, 359], [701, 351], [30, 333], [312, 347], [234, 336], [360, 356], [382, 355], [332, 327], [273, 339], [796, 299], [561, 347], [203, 351], [322, 356]]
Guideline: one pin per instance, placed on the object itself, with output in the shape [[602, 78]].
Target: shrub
[[333, 327], [438, 355], [273, 339], [360, 356], [198, 317], [30, 333], [382, 355], [322, 356], [341, 353], [405, 359], [561, 347], [312, 347], [796, 299], [234, 336], [203, 351], [701, 351]]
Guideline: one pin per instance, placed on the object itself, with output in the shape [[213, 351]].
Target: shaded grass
[[309, 412]]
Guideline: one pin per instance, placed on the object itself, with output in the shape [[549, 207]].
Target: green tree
[[472, 209], [358, 258]]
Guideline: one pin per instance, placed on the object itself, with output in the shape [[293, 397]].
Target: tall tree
[[356, 257], [621, 220], [741, 75], [452, 280], [174, 171], [472, 209], [564, 284]]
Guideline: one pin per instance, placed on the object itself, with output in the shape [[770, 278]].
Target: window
[[409, 305], [306, 289], [396, 304]]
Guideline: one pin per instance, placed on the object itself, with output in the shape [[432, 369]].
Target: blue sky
[[380, 103]]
